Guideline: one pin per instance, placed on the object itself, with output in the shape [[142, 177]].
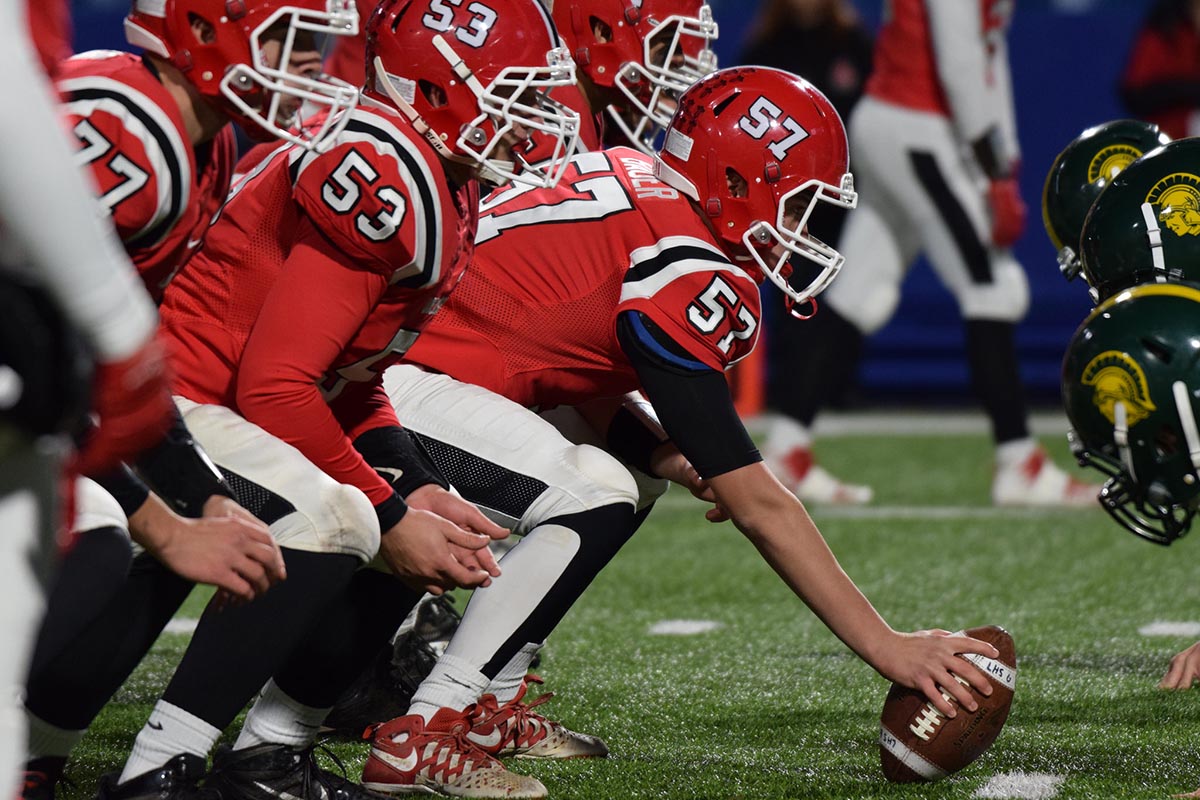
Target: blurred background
[[1067, 56]]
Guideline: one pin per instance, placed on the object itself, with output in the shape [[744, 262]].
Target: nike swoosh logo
[[282, 795], [491, 740], [406, 764], [194, 243], [154, 725], [395, 473]]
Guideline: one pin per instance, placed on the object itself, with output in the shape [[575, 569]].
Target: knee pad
[[341, 520], [1005, 299], [587, 478]]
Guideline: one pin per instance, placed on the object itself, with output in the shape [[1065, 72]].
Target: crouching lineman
[[321, 270], [632, 273]]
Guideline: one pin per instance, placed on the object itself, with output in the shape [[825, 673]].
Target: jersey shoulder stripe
[[168, 155], [653, 267], [419, 183]]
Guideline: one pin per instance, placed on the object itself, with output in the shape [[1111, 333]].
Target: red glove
[[1008, 211], [133, 401]]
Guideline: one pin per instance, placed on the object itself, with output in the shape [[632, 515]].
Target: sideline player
[[321, 270], [936, 158], [154, 135]]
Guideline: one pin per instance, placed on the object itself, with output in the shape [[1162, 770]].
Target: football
[[917, 743]]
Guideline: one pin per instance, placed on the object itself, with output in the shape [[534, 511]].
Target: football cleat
[[178, 779], [436, 621], [278, 772], [385, 689], [515, 729], [798, 471], [1036, 482], [37, 785], [411, 756]]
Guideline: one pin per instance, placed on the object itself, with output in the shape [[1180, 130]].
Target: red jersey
[[534, 319], [943, 57], [50, 29], [319, 273], [161, 192], [1162, 58]]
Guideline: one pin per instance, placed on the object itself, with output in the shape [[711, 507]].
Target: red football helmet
[[651, 50], [757, 149], [468, 74], [230, 67]]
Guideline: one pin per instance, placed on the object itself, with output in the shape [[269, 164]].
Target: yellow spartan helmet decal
[[1115, 377], [1177, 198], [1111, 160]]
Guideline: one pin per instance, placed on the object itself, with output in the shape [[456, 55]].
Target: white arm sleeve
[[964, 65], [49, 214]]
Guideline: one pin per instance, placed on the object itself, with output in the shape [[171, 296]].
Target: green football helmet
[[1131, 387], [1145, 225], [1080, 171]]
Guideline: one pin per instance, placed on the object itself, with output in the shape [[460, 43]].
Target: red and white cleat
[[1036, 482], [798, 471], [515, 729]]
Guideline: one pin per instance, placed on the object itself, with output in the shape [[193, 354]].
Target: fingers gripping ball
[[917, 743]]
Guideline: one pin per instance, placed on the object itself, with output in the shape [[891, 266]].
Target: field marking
[[679, 500], [1022, 785], [939, 422], [1165, 628], [184, 626], [683, 627]]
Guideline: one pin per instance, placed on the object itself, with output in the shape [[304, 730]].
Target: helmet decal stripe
[[1187, 419]]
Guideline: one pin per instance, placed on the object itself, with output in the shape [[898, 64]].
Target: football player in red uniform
[[936, 154], [633, 273], [322, 268], [155, 138]]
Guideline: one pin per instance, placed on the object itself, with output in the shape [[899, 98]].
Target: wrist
[[390, 512]]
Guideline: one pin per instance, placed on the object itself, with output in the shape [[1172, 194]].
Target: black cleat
[[178, 779], [279, 772], [385, 689]]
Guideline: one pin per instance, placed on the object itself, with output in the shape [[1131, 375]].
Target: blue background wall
[[1066, 58]]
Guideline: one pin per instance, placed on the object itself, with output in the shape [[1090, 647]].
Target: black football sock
[[821, 355], [69, 689], [88, 577], [996, 377], [235, 650], [347, 637]]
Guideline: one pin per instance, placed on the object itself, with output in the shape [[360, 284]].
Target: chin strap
[[384, 82], [1187, 420]]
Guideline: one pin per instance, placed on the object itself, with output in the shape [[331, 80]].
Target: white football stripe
[[683, 627], [995, 669], [1164, 628], [1021, 785], [908, 757], [182, 625]]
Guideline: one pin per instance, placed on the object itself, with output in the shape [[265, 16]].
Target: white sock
[[169, 732], [48, 740], [276, 718], [453, 683], [508, 681], [1013, 453], [785, 433]]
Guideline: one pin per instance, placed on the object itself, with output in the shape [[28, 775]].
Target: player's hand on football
[[1183, 671], [133, 403], [928, 662], [432, 553]]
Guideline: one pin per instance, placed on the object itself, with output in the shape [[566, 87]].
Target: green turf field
[[771, 705]]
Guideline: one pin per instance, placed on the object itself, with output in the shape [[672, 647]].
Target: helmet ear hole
[[736, 185], [202, 29], [435, 94]]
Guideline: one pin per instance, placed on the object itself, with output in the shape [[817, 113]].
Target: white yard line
[[916, 423], [683, 627], [1023, 785], [1191, 630]]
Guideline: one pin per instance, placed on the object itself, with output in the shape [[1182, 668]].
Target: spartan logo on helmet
[[1177, 201], [1109, 161], [1117, 378]]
